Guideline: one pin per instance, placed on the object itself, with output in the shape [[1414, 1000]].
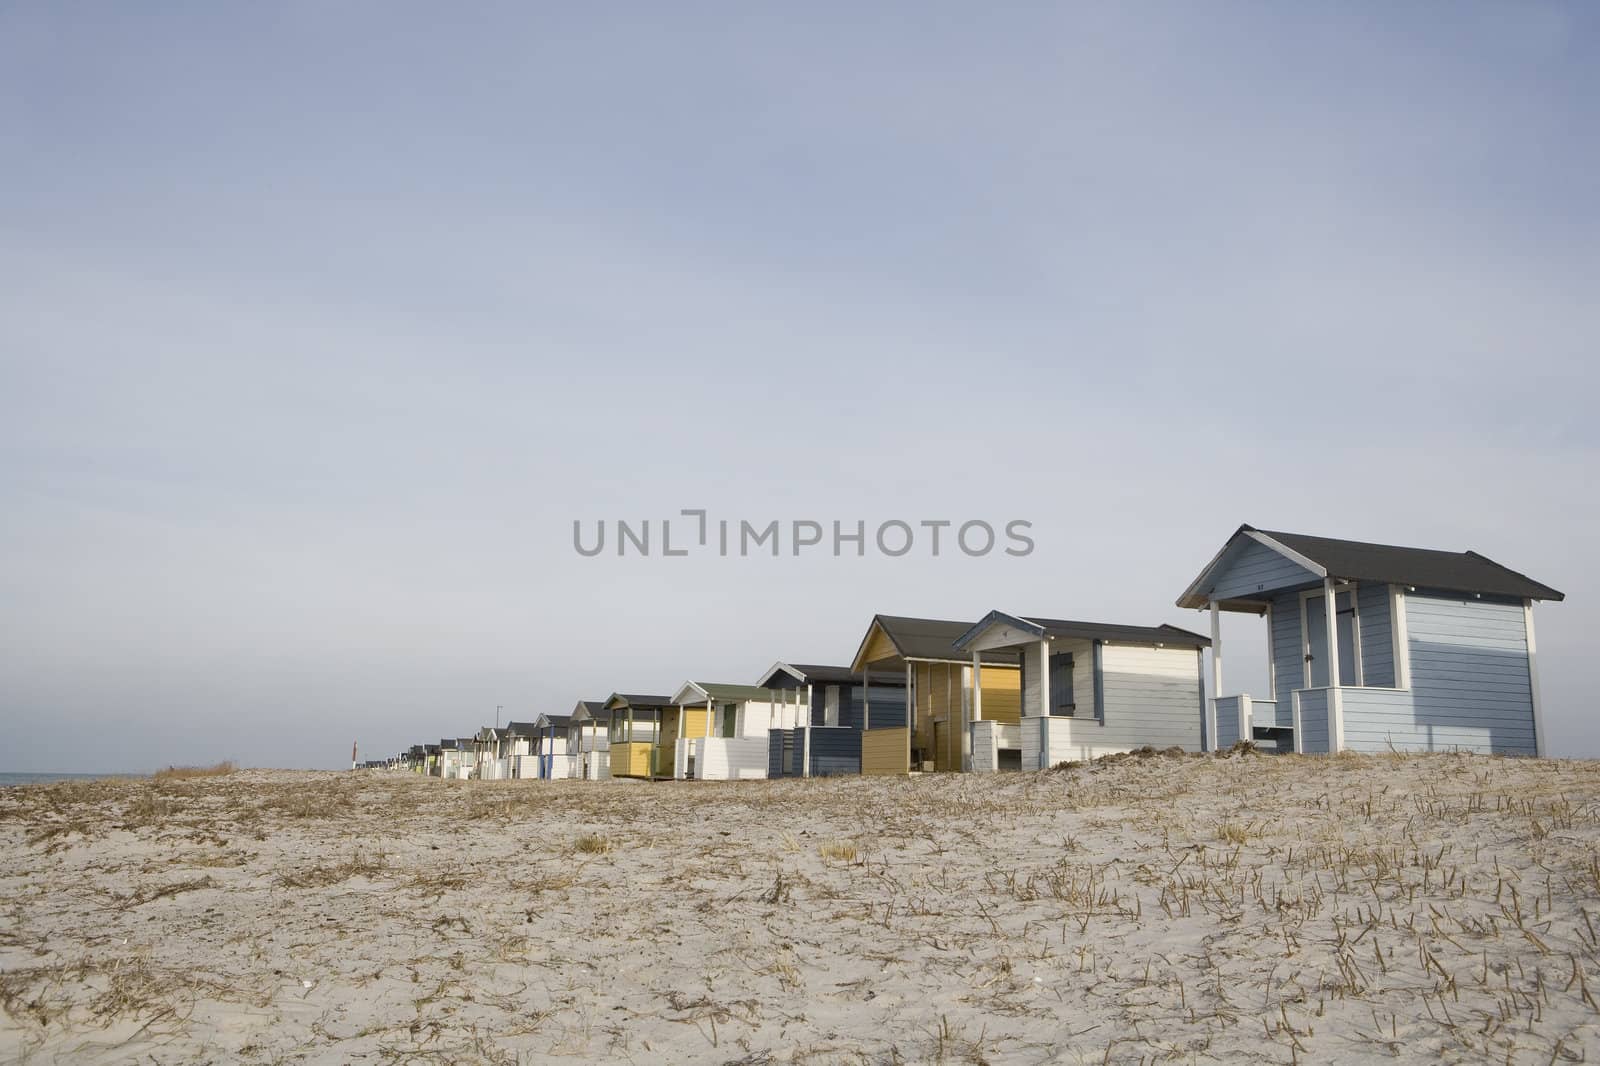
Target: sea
[[45, 779]]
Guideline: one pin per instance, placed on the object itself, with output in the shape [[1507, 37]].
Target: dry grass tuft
[[592, 844], [185, 773], [840, 851], [1233, 832]]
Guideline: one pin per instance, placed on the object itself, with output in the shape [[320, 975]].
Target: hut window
[[729, 718], [1061, 698]]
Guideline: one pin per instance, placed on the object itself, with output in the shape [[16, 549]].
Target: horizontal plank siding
[[1034, 744], [883, 751], [887, 706], [631, 759], [1227, 722], [1314, 721], [1250, 570], [1002, 694], [1288, 653], [730, 759], [938, 696], [835, 751], [1377, 635], [985, 747], [1470, 682], [1150, 696], [780, 749]]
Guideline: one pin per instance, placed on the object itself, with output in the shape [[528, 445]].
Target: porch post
[[1335, 704], [1533, 681], [911, 712], [1272, 662], [805, 737], [1216, 674], [866, 697], [1044, 676], [977, 712]]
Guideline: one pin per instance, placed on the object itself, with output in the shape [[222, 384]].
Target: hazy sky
[[321, 323]]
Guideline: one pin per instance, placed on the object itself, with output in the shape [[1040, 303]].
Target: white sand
[[1241, 909]]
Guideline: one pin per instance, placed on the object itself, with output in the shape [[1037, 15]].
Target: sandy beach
[[1187, 909]]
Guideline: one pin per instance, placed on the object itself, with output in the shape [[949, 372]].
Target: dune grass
[[185, 773]]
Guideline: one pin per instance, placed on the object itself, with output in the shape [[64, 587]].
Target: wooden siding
[[731, 759], [887, 707], [1227, 722], [883, 751], [1313, 720], [835, 751], [1288, 653], [879, 647], [1377, 635], [938, 695], [985, 747], [1470, 682], [694, 722], [783, 752], [1250, 570], [630, 759], [1151, 696], [1002, 694]]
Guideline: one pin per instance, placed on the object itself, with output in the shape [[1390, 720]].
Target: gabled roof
[[809, 674], [447, 744], [700, 691], [621, 700], [1041, 628], [1357, 560], [555, 721], [929, 639], [591, 710], [519, 729]]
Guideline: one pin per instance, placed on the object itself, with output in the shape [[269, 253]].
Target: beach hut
[[827, 703], [589, 741], [1373, 647], [486, 751], [926, 729], [723, 729], [433, 765], [449, 758], [588, 738], [555, 761], [467, 765], [513, 750], [1087, 689], [634, 728]]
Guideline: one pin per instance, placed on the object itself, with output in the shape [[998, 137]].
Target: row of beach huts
[[1370, 648]]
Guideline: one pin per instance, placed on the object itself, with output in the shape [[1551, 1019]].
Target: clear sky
[[321, 323]]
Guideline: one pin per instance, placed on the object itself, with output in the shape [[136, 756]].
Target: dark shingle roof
[[831, 675], [595, 709], [838, 675], [635, 700], [932, 638], [1161, 634], [1423, 567], [519, 729]]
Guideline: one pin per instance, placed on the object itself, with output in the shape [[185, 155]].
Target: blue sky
[[320, 324]]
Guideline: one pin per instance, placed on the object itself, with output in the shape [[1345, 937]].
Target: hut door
[[1314, 638]]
